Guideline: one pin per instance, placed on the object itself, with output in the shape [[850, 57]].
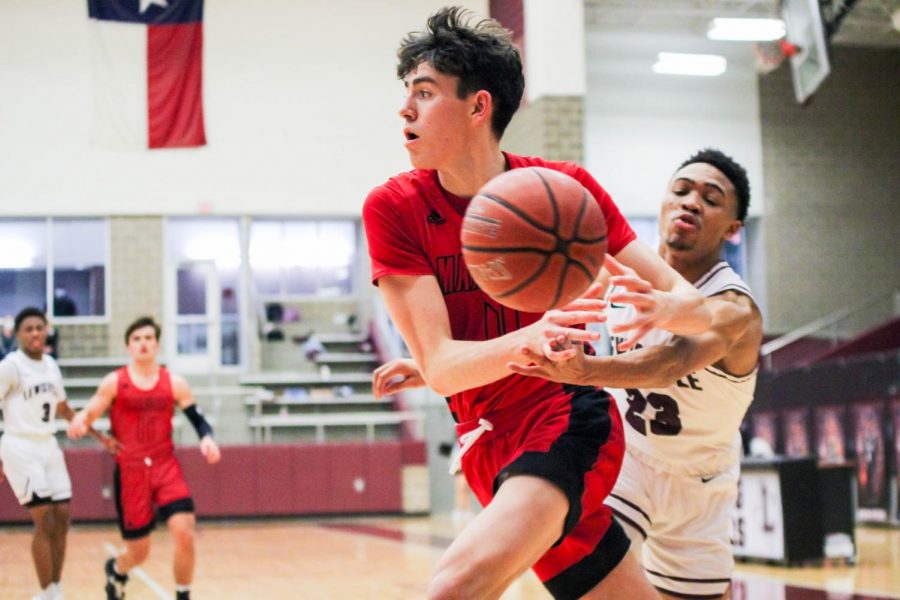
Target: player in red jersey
[[540, 456], [141, 399]]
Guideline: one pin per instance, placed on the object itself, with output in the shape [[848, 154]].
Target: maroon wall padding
[[413, 452], [93, 494], [272, 479]]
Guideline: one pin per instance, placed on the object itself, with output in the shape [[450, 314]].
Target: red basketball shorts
[[576, 442], [141, 485]]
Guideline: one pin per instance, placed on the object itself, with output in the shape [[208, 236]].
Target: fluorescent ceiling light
[[746, 30], [704, 65]]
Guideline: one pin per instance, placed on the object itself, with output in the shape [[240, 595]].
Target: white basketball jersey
[[691, 427], [30, 390]]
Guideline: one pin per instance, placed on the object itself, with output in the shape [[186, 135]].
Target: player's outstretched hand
[[210, 450], [649, 304], [393, 376], [550, 365], [77, 428]]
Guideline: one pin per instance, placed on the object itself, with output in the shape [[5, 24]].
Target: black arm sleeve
[[199, 422]]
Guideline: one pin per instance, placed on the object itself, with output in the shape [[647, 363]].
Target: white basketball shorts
[[681, 525], [35, 469]]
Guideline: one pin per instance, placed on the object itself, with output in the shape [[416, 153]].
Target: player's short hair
[[31, 311], [140, 323], [731, 169], [482, 56]]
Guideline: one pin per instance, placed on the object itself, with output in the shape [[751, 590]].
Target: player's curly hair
[[482, 56], [731, 169], [30, 311]]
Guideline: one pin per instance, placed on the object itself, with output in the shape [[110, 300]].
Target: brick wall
[[831, 182], [136, 274], [83, 341], [550, 127]]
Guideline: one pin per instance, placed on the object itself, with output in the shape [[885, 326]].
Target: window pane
[[303, 257], [192, 338], [79, 266], [231, 335], [266, 256], [191, 291], [23, 265]]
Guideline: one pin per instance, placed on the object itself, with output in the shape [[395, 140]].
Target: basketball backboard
[[805, 30]]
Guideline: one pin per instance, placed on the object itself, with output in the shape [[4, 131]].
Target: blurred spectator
[[7, 336], [51, 346], [63, 304]]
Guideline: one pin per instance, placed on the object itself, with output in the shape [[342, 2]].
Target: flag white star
[[145, 4]]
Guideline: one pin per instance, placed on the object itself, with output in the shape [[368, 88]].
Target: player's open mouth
[[687, 220], [410, 136]]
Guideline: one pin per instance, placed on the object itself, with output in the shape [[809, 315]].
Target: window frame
[[50, 268]]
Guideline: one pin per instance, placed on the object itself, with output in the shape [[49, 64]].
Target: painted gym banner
[[148, 72]]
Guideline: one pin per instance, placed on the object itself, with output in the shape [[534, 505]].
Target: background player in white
[[683, 397], [32, 392]]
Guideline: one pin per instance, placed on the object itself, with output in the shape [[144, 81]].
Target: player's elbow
[[440, 377], [441, 383]]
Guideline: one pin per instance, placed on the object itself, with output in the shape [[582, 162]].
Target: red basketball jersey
[[142, 419], [413, 228]]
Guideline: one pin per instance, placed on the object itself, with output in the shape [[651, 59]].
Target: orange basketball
[[533, 239]]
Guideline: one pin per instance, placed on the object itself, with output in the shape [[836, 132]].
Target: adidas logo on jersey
[[435, 218]]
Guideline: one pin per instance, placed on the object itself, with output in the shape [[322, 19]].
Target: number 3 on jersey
[[664, 422]]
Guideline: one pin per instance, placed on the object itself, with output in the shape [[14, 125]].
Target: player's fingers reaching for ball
[[633, 283], [556, 351], [632, 341], [574, 317], [572, 334], [638, 300], [592, 304], [616, 268]]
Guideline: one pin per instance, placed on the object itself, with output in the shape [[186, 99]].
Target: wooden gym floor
[[376, 558]]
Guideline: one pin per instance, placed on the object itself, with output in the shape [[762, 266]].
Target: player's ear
[[733, 229], [482, 104]]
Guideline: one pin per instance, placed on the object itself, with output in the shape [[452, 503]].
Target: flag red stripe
[[175, 86]]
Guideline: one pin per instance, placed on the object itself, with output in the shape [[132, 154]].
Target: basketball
[[533, 239]]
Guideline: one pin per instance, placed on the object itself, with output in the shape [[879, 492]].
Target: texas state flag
[[148, 72]]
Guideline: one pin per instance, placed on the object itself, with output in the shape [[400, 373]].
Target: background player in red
[[540, 456], [141, 399]]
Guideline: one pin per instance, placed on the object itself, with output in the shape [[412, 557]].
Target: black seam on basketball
[[584, 205], [518, 212], [560, 283], [508, 250], [581, 267], [588, 241], [537, 273], [552, 197]]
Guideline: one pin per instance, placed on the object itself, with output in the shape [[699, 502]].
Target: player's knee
[[456, 582], [61, 518], [183, 535], [139, 551]]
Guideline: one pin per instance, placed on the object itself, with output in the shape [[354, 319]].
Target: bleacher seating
[[332, 403]]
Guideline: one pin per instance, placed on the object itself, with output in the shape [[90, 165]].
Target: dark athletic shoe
[[115, 583]]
